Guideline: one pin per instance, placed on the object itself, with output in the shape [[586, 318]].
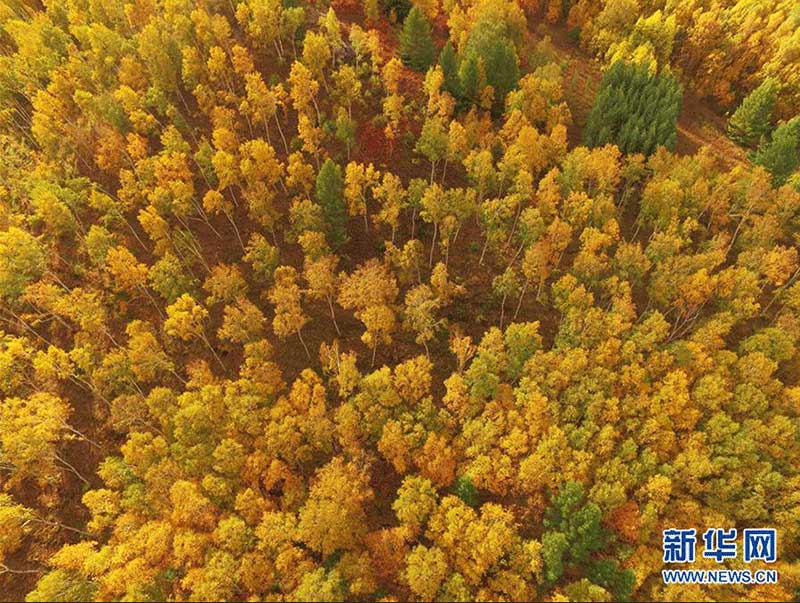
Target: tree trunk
[[433, 243], [212, 350], [72, 469], [236, 230], [521, 296], [280, 131], [300, 335], [483, 253], [333, 315]]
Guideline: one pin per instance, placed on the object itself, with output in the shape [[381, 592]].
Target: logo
[[720, 545]]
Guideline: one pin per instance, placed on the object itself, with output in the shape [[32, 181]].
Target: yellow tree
[[334, 516], [126, 273], [31, 430], [185, 318], [261, 104], [426, 570], [359, 179], [421, 305], [371, 290], [323, 283], [303, 89], [392, 198], [285, 296], [242, 322]]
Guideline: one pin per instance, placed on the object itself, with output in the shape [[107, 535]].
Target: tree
[[185, 318], [434, 210], [437, 460], [65, 584], [416, 43], [505, 285], [420, 314], [316, 54], [320, 274], [299, 174], [572, 533], [752, 120], [781, 154], [148, 360], [22, 261], [262, 256], [425, 571], [432, 142], [262, 104], [634, 109], [169, 278], [371, 290], [310, 135], [304, 216], [345, 129], [359, 179], [449, 64], [502, 70], [242, 322], [31, 430], [125, 272], [334, 516], [470, 79], [224, 284], [330, 196], [321, 585], [285, 296], [416, 500], [379, 323], [348, 87], [303, 89], [392, 197], [214, 202], [13, 519]]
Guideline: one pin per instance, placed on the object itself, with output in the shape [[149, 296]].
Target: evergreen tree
[[396, 9], [574, 536], [330, 195], [466, 491], [634, 109], [470, 77], [779, 156], [416, 42], [502, 70], [449, 64], [752, 119]]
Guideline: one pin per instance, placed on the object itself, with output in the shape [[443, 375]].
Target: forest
[[396, 300]]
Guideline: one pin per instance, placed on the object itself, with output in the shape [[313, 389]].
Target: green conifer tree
[[449, 64], [779, 156], [416, 43], [330, 195], [502, 70], [470, 76], [635, 110], [752, 119]]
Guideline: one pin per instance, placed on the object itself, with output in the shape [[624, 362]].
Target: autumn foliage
[[244, 356]]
